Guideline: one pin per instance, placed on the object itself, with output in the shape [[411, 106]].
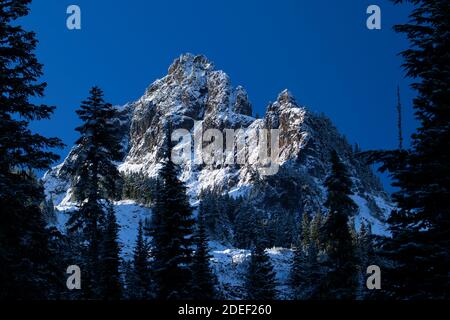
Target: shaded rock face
[[194, 92]]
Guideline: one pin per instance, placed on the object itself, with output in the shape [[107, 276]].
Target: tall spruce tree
[[306, 272], [24, 252], [95, 181], [140, 274], [171, 231], [296, 272], [98, 148], [110, 258], [341, 277], [202, 276], [418, 251], [260, 278]]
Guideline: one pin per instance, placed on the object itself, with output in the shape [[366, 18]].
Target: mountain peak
[[286, 97], [285, 101], [188, 63]]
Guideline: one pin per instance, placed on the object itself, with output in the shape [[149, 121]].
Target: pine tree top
[[22, 150]]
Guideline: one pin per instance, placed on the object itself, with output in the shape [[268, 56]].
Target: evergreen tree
[[98, 148], [366, 245], [202, 275], [306, 230], [128, 281], [95, 181], [282, 228], [296, 273], [316, 228], [141, 279], [365, 257], [245, 226], [88, 234], [354, 235], [171, 232], [341, 262], [306, 272], [61, 257], [24, 247], [215, 209], [110, 260], [260, 278], [48, 210], [418, 251]]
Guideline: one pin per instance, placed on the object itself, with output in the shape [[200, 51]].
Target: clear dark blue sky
[[320, 50]]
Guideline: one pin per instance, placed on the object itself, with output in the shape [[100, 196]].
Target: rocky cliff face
[[195, 93]]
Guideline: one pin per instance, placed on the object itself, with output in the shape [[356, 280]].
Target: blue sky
[[320, 50]]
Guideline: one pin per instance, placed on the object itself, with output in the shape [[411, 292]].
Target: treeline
[[139, 187]]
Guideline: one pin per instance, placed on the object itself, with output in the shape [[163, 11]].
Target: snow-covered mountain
[[193, 93]]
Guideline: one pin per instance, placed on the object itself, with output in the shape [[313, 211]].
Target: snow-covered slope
[[229, 264], [128, 214]]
